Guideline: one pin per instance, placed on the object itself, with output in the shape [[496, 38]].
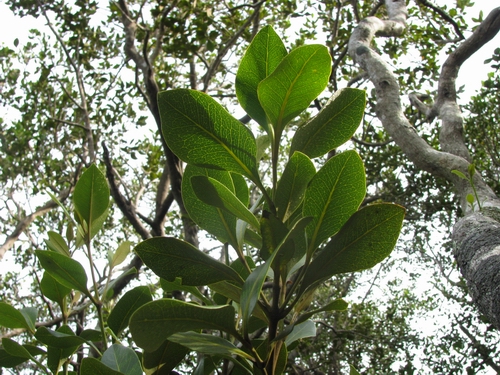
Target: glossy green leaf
[[301, 331], [62, 339], [154, 322], [91, 196], [201, 132], [92, 366], [56, 242], [292, 185], [30, 315], [212, 192], [334, 125], [261, 58], [120, 315], [56, 356], [53, 290], [214, 220], [15, 349], [300, 77], [170, 258], [366, 239], [64, 270], [333, 195], [122, 359], [164, 359], [10, 317], [208, 344]]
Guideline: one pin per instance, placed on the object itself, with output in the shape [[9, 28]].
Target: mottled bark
[[477, 235]]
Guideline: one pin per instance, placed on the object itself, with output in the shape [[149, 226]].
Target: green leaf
[[214, 220], [91, 196], [122, 359], [30, 314], [353, 371], [154, 322], [10, 317], [57, 355], [120, 315], [15, 349], [62, 339], [163, 360], [333, 195], [53, 290], [300, 77], [335, 305], [57, 243], [212, 192], [301, 331], [92, 366], [8, 361], [208, 344], [459, 174], [333, 126], [366, 239], [120, 254], [261, 58], [292, 185], [201, 132], [170, 258], [64, 270], [170, 286]]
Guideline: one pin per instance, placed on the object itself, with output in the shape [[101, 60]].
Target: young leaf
[[459, 174], [123, 359], [91, 195], [120, 315], [292, 184], [92, 366], [120, 254], [300, 77], [366, 239], [170, 258], [201, 132], [57, 243], [10, 317], [333, 195], [333, 126], [214, 220], [261, 58], [64, 270], [212, 192], [154, 322], [208, 344]]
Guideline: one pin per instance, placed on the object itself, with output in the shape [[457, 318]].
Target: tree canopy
[[130, 100]]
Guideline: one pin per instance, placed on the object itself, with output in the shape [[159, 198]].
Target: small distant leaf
[[170, 258], [336, 305], [300, 77], [292, 185], [120, 315], [123, 359], [154, 322], [459, 174], [212, 192], [333, 195], [52, 289], [201, 132], [208, 344], [92, 366], [91, 196], [333, 126], [57, 243], [261, 58], [64, 270], [10, 317], [120, 254], [366, 239]]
